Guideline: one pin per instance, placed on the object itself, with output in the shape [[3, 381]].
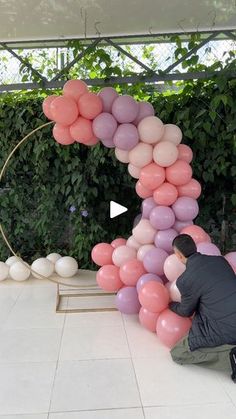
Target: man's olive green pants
[[216, 358]]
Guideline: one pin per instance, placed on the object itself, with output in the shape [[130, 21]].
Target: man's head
[[184, 246]]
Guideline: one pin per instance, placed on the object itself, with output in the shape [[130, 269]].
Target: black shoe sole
[[232, 357]]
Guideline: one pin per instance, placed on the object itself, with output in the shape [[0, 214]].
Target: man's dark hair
[[185, 244]]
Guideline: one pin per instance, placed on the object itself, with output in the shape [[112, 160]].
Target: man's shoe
[[232, 357]]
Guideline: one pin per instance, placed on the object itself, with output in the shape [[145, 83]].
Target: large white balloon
[[19, 271], [53, 257], [4, 270], [11, 260], [42, 266], [66, 266]]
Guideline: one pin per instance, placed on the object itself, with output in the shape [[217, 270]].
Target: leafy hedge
[[56, 198]]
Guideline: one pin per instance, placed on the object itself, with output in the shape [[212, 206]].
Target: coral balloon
[[133, 170], [164, 239], [152, 176], [126, 137], [147, 205], [154, 296], [118, 242], [47, 104], [179, 173], [102, 254], [122, 254], [207, 248], [148, 319], [173, 268], [144, 233], [154, 260], [125, 109], [62, 134], [104, 126], [162, 217], [108, 278], [107, 95], [185, 208], [146, 278], [144, 109], [81, 130], [196, 232], [90, 105], [150, 129], [74, 89], [131, 271], [165, 153], [166, 194], [142, 191], [122, 155], [127, 300], [172, 133], [171, 328], [141, 155], [93, 141], [191, 189], [185, 153], [64, 110], [143, 250]]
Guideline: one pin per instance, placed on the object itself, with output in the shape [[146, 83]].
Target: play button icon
[[116, 209]]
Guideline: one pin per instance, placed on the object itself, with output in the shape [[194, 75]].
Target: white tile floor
[[94, 366]]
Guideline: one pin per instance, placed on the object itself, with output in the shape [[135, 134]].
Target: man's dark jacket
[[208, 288]]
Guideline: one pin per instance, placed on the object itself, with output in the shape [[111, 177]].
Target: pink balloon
[[150, 129], [143, 250], [125, 109], [179, 173], [146, 278], [74, 89], [185, 208], [108, 278], [133, 170], [154, 296], [191, 189], [173, 268], [126, 137], [171, 328], [173, 291], [107, 95], [207, 248], [141, 155], [231, 258], [196, 232], [164, 239], [123, 254], [81, 130], [144, 233], [154, 260], [165, 153], [152, 176], [172, 133], [62, 134], [64, 110], [148, 319], [102, 254], [162, 217], [90, 105], [132, 242], [144, 109], [104, 126], [179, 225], [47, 106], [147, 205], [185, 153], [142, 191], [131, 271], [118, 242], [122, 155], [166, 194]]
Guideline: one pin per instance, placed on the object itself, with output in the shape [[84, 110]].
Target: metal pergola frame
[[148, 76]]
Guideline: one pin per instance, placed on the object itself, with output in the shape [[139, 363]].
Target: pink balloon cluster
[[142, 270]]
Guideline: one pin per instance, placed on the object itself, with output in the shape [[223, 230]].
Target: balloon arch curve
[[142, 269]]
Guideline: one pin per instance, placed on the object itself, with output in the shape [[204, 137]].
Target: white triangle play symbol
[[116, 209]]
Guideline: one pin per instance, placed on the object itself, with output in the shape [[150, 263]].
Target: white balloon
[[19, 272], [53, 257], [43, 267], [66, 266], [172, 133], [122, 155], [131, 242], [134, 171], [143, 250], [4, 270], [11, 260]]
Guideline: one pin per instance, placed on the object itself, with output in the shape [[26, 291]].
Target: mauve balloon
[[126, 137], [125, 109], [127, 300], [164, 239], [104, 126]]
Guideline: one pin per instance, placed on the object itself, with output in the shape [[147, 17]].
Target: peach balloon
[[142, 191], [134, 171], [118, 242], [165, 153], [143, 250], [64, 110], [148, 319], [173, 291], [81, 130], [132, 242], [144, 233], [172, 133], [150, 129], [173, 268], [185, 153], [191, 189], [141, 155], [75, 89], [153, 296], [108, 278], [131, 271], [166, 194], [122, 155], [196, 232], [90, 105], [46, 106], [62, 134], [171, 328], [179, 173], [122, 254], [102, 254], [152, 176]]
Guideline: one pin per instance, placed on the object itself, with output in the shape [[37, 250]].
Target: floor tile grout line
[[131, 357]]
